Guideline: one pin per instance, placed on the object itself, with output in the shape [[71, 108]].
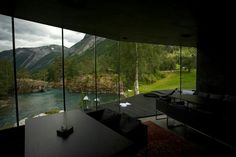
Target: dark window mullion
[[95, 72], [14, 64], [63, 68]]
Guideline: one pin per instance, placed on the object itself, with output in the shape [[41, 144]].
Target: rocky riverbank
[[105, 84], [31, 86]]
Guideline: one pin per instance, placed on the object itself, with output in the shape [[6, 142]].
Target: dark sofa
[[125, 125], [216, 117]]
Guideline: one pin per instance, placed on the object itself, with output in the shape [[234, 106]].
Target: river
[[35, 103]]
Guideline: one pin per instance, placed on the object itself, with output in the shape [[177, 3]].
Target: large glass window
[[188, 56], [169, 67], [39, 69], [7, 99], [107, 56], [128, 65], [80, 71], [98, 72], [148, 67]]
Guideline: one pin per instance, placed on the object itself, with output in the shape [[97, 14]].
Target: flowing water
[[35, 103]]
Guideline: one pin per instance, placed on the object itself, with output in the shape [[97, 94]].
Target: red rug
[[163, 143]]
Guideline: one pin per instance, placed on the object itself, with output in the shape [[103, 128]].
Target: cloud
[[31, 34], [72, 37], [5, 45], [5, 33]]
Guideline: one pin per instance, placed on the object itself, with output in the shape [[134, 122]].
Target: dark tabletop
[[89, 139]]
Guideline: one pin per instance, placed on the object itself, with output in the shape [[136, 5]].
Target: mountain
[[36, 58], [86, 43]]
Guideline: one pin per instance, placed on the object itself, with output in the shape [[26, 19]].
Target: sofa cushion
[[127, 123], [110, 118]]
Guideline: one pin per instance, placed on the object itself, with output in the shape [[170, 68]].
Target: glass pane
[[189, 55], [160, 67], [39, 69], [7, 96], [107, 72], [128, 58], [79, 71], [169, 67], [154, 67]]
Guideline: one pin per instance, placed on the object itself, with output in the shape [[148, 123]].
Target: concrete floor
[[207, 146]]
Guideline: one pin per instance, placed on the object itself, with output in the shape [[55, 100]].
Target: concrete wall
[[216, 63]]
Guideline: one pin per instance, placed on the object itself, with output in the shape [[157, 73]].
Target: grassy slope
[[171, 81]]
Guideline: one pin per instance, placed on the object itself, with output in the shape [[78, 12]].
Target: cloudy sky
[[31, 34]]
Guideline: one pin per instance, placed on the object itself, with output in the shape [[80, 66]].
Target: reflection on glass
[[39, 69], [7, 103]]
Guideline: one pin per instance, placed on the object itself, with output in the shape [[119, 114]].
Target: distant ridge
[[37, 58], [86, 43]]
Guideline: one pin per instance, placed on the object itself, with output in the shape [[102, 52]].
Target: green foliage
[[127, 64], [82, 103], [152, 59], [189, 79], [55, 70], [171, 81], [148, 78], [41, 75], [53, 111], [168, 63], [23, 73], [71, 68], [149, 59], [189, 58], [6, 78], [107, 57], [177, 67]]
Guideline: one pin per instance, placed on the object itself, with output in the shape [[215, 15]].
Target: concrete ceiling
[[163, 22]]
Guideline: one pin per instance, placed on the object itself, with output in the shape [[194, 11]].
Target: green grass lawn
[[171, 81]]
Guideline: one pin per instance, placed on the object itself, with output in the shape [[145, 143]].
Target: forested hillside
[[140, 63]]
